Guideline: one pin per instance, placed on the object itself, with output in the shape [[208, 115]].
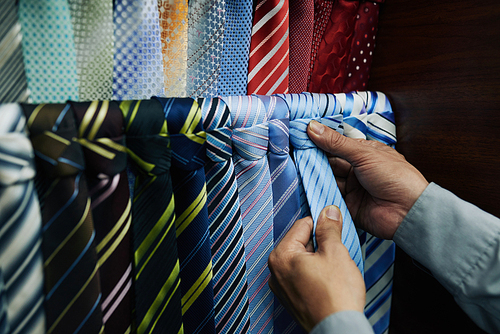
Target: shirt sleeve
[[460, 245], [344, 322]]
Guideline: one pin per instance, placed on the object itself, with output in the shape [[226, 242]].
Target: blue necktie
[[318, 179], [250, 141], [224, 216]]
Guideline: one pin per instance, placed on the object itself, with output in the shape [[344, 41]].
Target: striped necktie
[[368, 115], [72, 291], [13, 84], [235, 50], [224, 216], [205, 36], [269, 49], [20, 227], [250, 141], [285, 186], [317, 177], [100, 132], [188, 179], [156, 265]]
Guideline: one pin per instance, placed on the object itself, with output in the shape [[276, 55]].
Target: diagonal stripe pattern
[[250, 141], [21, 259], [100, 132], [269, 48], [224, 216], [188, 139], [156, 264], [72, 291]]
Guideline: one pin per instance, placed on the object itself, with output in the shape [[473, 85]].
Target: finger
[[298, 236], [329, 228], [340, 167]]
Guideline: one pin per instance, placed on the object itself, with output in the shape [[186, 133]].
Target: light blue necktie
[[318, 179], [224, 216], [368, 115], [250, 141], [21, 259]]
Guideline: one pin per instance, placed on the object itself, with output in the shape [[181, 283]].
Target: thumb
[[329, 228]]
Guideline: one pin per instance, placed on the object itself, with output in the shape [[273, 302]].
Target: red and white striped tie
[[269, 49]]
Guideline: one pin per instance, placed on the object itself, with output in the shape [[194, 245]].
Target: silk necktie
[[205, 38], [368, 115], [13, 84], [174, 40], [224, 216], [250, 140], [100, 132], [49, 50], [233, 76], [72, 291], [269, 49], [21, 259], [301, 39], [188, 179], [156, 265], [314, 169], [93, 29], [285, 187]]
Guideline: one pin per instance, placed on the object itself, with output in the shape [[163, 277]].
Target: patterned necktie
[[205, 37], [188, 179], [174, 41], [93, 29], [49, 50], [285, 187], [250, 140], [138, 60], [72, 291], [20, 227], [13, 84], [269, 49], [301, 38], [234, 62], [224, 216], [369, 115], [319, 182], [156, 265], [100, 132]]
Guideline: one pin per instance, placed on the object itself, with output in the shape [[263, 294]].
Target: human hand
[[378, 184], [313, 285]]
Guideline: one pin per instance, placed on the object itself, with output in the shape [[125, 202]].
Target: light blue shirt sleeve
[[345, 322]]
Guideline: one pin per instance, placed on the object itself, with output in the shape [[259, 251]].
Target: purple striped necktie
[[250, 141], [224, 216]]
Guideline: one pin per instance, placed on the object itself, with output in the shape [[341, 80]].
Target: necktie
[[49, 50], [20, 227], [174, 40], [93, 29], [319, 182], [285, 187], [250, 141], [156, 264], [4, 324], [205, 37], [269, 49], [72, 291], [224, 216], [233, 76], [188, 179], [328, 69], [100, 132], [369, 115], [138, 61], [13, 84], [301, 39]]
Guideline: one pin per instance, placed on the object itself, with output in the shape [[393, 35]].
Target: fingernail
[[316, 127], [333, 212]]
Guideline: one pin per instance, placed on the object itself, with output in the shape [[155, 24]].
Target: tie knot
[[298, 130], [219, 143], [16, 152], [251, 143], [279, 136], [217, 123]]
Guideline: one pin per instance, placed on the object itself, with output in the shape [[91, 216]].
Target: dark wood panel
[[439, 63]]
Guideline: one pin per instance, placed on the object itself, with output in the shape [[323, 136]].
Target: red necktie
[[269, 49]]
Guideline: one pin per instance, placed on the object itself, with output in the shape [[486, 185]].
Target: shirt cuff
[[344, 322]]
